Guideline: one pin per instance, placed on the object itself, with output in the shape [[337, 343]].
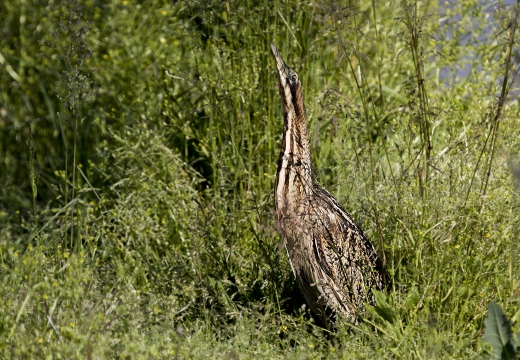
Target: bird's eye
[[294, 78]]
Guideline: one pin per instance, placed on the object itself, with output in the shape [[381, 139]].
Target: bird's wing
[[344, 252]]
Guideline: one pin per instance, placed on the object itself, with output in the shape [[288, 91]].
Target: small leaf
[[382, 308], [385, 313], [380, 297], [498, 332], [411, 300]]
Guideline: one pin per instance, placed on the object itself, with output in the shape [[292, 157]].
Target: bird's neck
[[294, 175]]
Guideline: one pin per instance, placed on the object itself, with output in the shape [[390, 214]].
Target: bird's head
[[290, 87]]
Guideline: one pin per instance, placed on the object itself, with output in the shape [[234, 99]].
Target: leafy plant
[[499, 334]]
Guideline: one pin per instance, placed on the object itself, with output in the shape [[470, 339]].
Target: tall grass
[[139, 220]]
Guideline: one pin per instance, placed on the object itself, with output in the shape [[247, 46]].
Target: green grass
[[138, 149]]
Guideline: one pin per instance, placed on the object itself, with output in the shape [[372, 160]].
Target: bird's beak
[[283, 69], [290, 90]]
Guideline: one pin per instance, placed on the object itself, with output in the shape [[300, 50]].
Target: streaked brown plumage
[[334, 263]]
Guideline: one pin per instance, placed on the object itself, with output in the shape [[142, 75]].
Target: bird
[[335, 264]]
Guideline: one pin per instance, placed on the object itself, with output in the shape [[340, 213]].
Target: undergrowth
[[139, 144]]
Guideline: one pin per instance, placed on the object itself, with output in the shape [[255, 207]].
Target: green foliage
[[138, 148], [499, 333]]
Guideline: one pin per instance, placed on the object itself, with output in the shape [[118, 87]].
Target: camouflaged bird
[[335, 264]]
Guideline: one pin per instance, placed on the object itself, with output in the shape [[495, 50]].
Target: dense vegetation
[[138, 148]]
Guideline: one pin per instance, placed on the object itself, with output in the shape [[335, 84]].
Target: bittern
[[335, 264]]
